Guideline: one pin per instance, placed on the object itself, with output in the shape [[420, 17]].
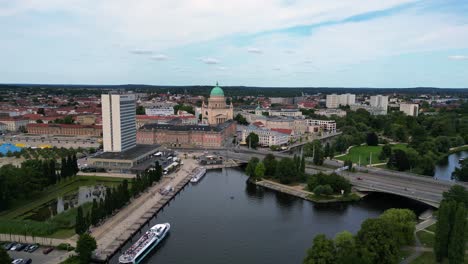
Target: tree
[[456, 193], [252, 140], [399, 160], [456, 247], [323, 190], [386, 152], [270, 165], [461, 174], [80, 223], [95, 216], [443, 226], [346, 250], [4, 257], [315, 150], [404, 221], [39, 121], [286, 170], [140, 110], [84, 247], [259, 171], [349, 164], [241, 119], [321, 252], [372, 139], [250, 169], [376, 236], [63, 169], [326, 150]]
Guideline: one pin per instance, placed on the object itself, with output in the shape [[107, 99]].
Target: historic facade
[[217, 111]]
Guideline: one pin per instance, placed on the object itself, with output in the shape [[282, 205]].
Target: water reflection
[[61, 204], [444, 172]]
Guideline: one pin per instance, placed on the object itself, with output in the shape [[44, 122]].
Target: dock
[[130, 220]]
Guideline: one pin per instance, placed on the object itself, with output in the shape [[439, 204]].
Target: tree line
[[378, 241], [286, 170], [32, 177], [116, 198], [450, 234]]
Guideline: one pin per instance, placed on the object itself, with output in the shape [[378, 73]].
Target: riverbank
[[122, 226], [299, 192]]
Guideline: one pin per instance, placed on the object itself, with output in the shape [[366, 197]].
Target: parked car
[[26, 247], [33, 248], [20, 247], [47, 250], [15, 246], [17, 261], [27, 261], [8, 246]]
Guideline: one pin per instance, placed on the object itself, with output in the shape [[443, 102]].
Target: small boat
[[461, 160], [145, 244], [197, 174]]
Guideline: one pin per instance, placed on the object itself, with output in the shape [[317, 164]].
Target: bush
[[65, 246], [335, 181], [323, 190]]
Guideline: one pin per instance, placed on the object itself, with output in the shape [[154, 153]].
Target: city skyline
[[385, 44]]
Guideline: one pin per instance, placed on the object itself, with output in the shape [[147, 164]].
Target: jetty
[[120, 228]]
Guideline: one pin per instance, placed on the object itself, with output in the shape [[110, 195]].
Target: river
[[444, 172], [223, 219]]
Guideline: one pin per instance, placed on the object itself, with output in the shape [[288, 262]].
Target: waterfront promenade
[[115, 231]]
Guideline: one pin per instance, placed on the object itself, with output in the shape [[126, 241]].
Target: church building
[[217, 111]]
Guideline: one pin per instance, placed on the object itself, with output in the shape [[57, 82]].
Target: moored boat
[[198, 173], [145, 244]]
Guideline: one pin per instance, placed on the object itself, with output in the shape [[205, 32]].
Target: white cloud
[[141, 52], [192, 21], [159, 57], [221, 68], [254, 50], [458, 57], [209, 60]]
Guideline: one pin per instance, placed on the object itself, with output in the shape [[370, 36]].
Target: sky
[[285, 43]]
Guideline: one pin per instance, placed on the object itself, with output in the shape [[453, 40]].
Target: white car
[[17, 261]]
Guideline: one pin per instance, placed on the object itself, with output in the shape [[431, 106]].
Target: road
[[424, 189]]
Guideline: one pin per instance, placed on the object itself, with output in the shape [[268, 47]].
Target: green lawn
[[60, 226], [425, 258], [427, 239], [405, 253], [364, 152]]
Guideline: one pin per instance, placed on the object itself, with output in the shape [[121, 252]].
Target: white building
[[161, 109], [334, 100], [410, 109], [371, 109], [331, 112], [379, 101], [267, 137], [118, 122], [328, 125], [283, 112], [347, 99]]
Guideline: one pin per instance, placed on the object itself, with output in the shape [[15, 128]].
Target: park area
[[52, 212], [362, 154]]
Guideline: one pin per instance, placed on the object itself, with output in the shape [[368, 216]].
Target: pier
[[113, 234]]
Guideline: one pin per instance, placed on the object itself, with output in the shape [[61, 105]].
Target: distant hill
[[229, 90]]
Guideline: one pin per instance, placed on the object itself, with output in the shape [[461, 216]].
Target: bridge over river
[[424, 189]]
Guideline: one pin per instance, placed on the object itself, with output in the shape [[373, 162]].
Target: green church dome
[[217, 91]]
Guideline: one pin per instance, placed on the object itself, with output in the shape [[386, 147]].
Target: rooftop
[[129, 154]]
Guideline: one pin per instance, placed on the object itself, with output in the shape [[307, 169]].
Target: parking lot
[[54, 257]]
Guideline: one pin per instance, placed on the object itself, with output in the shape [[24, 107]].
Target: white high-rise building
[[118, 122], [332, 101], [347, 99], [410, 109], [379, 101]]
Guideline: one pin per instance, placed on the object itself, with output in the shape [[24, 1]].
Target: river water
[[444, 172], [223, 220]]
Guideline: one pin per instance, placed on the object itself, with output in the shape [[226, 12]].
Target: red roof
[[64, 126], [283, 130], [258, 124], [146, 117]]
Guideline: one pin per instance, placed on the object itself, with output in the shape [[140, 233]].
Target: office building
[[410, 109], [334, 100], [118, 122], [379, 101]]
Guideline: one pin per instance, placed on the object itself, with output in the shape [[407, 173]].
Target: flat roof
[[129, 154]]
